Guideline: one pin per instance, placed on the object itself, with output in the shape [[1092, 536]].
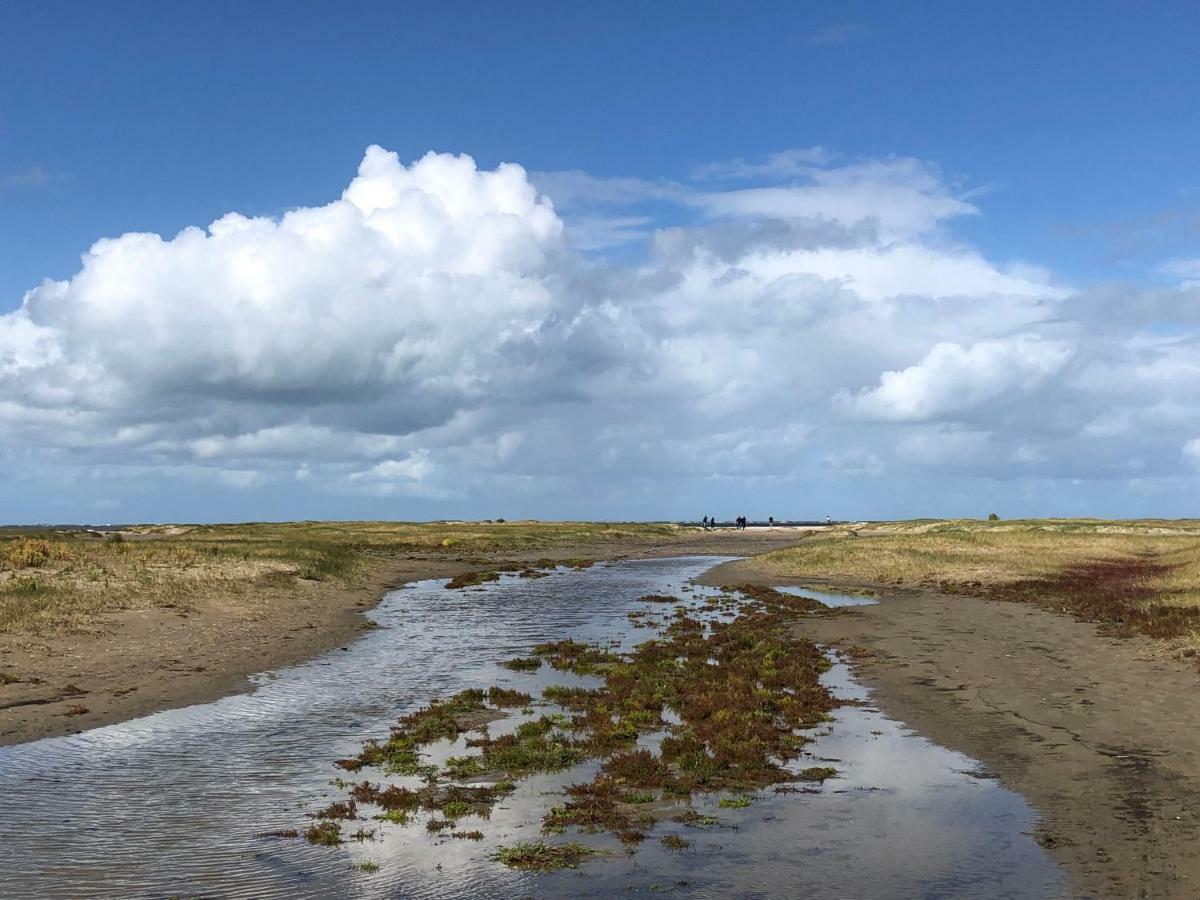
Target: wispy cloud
[[776, 167], [837, 35], [34, 176]]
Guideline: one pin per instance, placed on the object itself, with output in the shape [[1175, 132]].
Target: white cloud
[[436, 334], [1186, 271], [952, 379], [903, 195], [798, 162], [412, 286]]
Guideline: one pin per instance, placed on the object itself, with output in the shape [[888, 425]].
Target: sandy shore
[[1095, 732], [146, 660]]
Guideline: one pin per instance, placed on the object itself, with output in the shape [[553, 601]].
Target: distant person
[[771, 521], [828, 521], [705, 522]]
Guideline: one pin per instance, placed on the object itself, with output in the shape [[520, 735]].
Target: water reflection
[[830, 598], [172, 803]]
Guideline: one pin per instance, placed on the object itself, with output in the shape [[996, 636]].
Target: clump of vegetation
[[597, 805], [572, 656], [658, 598], [575, 698], [31, 553], [816, 773], [452, 800], [537, 856], [739, 802], [441, 719], [338, 810], [537, 746], [456, 809], [696, 819], [523, 664], [675, 842], [328, 834], [366, 866], [639, 768], [504, 697], [328, 562], [471, 579], [395, 817]]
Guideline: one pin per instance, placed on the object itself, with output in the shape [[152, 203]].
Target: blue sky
[[1071, 129], [1080, 121]]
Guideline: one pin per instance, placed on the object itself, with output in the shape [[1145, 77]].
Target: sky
[[620, 261]]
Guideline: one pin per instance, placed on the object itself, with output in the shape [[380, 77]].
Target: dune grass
[[1141, 576], [59, 579]]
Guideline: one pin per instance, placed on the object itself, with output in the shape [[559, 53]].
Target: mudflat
[[1095, 731], [160, 655]]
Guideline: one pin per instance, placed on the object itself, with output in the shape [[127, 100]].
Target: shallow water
[[830, 598], [172, 803]]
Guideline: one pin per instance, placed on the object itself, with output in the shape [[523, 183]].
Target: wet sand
[[1097, 733], [144, 661]]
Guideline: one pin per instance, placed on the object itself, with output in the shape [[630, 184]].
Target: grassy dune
[[53, 580], [1138, 576]]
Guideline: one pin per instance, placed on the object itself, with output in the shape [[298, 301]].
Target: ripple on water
[[172, 803]]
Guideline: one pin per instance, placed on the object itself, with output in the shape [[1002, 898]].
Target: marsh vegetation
[[719, 702], [55, 580], [1135, 577]]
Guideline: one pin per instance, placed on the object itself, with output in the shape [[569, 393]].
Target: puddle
[[830, 598], [172, 803]]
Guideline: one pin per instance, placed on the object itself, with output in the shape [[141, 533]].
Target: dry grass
[[67, 580], [1141, 574]]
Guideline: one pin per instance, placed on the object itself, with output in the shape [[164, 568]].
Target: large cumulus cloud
[[441, 331]]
